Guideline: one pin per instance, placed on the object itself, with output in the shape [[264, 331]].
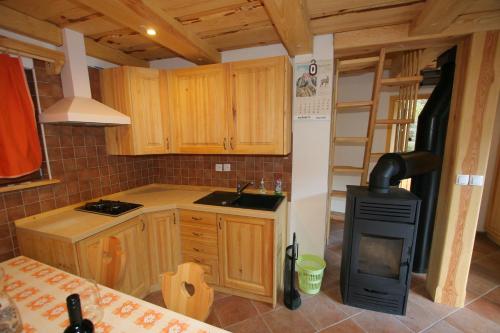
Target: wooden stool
[[186, 291]]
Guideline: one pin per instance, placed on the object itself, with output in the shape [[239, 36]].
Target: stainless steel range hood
[[77, 106]]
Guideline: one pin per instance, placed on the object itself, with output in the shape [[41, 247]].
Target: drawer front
[[209, 265], [196, 246], [189, 230], [201, 218]]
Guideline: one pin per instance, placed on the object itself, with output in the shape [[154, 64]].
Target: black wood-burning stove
[[379, 242]]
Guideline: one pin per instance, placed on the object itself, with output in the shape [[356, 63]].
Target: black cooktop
[[108, 207]]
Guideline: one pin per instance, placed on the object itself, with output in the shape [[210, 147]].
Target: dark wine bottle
[[76, 322]]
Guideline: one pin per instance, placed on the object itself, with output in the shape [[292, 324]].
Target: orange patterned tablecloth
[[40, 292]]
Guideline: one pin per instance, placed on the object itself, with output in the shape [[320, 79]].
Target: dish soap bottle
[[76, 322], [278, 187], [262, 187]]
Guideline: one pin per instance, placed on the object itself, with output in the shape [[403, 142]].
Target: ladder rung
[[351, 139], [394, 121], [401, 81], [347, 169], [338, 194], [354, 105], [357, 64], [337, 216]]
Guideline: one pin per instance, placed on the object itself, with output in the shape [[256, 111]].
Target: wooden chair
[[110, 262], [186, 291]]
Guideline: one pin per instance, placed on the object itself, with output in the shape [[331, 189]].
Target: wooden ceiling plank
[[320, 8], [26, 25], [263, 35], [437, 15], [366, 19], [291, 20], [139, 15], [110, 54]]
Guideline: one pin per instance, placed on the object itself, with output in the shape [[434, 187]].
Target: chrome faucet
[[240, 189]]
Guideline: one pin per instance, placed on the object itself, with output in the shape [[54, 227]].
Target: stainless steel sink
[[243, 200]]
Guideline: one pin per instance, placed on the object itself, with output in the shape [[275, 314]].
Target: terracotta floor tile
[[219, 295], [321, 311], [251, 325], [443, 327], [233, 309], [213, 319], [347, 326], [469, 321], [155, 298], [478, 281], [419, 316], [334, 294], [483, 246], [287, 321], [494, 295], [375, 322], [487, 309], [264, 307]]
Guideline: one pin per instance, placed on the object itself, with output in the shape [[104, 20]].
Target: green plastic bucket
[[310, 269]]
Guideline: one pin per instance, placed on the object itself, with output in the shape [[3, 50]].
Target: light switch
[[462, 180], [227, 167], [476, 180], [218, 167]]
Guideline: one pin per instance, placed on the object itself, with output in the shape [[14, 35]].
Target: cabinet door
[[132, 237], [259, 108], [198, 104], [246, 253], [164, 244]]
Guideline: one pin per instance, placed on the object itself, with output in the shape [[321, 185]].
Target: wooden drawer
[[196, 246], [209, 265], [189, 230], [201, 218]]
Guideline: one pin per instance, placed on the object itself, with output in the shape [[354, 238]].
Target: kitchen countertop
[[70, 225]]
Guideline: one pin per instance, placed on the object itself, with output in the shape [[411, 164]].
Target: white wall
[[171, 63]]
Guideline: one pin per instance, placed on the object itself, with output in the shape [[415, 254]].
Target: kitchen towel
[[20, 152]]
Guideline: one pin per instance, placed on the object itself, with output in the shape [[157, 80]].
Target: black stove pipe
[[393, 167]]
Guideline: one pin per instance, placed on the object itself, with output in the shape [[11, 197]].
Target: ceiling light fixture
[[151, 31]]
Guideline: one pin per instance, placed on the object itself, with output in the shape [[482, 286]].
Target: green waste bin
[[310, 269]]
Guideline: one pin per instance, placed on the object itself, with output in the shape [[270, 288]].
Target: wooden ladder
[[408, 83]]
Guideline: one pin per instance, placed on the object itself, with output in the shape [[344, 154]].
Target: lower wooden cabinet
[[132, 236], [163, 244], [246, 254]]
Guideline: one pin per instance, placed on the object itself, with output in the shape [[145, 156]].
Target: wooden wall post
[[470, 132]]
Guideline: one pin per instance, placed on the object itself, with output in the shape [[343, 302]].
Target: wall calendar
[[313, 90]]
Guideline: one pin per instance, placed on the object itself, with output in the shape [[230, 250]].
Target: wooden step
[[357, 64], [401, 81], [337, 217], [346, 169], [394, 121], [353, 105], [351, 139], [338, 194]]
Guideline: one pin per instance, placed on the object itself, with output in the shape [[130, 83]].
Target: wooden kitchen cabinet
[[246, 258], [132, 235], [140, 93], [260, 102], [198, 109], [163, 244]]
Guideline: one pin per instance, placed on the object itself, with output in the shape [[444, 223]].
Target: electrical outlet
[[462, 180], [476, 180], [227, 167], [218, 167]]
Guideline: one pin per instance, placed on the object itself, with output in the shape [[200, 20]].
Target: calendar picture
[[313, 90]]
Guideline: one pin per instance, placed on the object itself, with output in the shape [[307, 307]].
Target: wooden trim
[[492, 221], [401, 81], [23, 186], [139, 15], [291, 20], [15, 21], [470, 132], [438, 15], [110, 54], [56, 58]]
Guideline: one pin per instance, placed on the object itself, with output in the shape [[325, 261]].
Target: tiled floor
[[325, 312]]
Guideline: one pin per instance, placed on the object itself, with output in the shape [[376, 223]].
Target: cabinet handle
[[197, 234], [220, 227], [143, 226], [195, 218], [197, 250], [168, 144], [197, 261], [225, 144], [231, 143]]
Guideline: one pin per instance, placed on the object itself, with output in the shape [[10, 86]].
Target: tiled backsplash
[[200, 170]]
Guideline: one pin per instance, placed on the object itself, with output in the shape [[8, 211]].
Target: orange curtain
[[20, 152]]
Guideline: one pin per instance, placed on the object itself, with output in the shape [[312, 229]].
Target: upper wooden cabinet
[[260, 102], [140, 93], [198, 109]]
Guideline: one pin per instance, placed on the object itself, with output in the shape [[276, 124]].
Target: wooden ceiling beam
[[103, 52], [291, 21], [26, 25], [437, 15], [139, 15]]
